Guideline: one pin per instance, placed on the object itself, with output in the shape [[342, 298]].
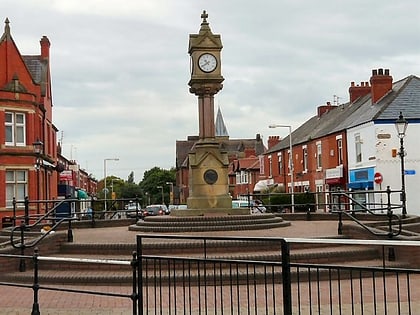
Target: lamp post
[[401, 125], [38, 146], [171, 193], [161, 189], [105, 190], [292, 168]]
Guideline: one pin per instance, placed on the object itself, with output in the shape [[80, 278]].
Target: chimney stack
[[272, 141], [45, 47], [325, 109], [357, 91], [381, 84]]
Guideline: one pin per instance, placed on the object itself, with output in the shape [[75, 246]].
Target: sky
[[120, 69]]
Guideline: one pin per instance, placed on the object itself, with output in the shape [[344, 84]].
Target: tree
[[154, 178]]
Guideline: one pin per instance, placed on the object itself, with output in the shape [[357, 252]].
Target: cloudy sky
[[120, 69]]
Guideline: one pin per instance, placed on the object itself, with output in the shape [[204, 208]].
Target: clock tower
[[208, 175]]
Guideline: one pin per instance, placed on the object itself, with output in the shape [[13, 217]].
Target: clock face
[[207, 62]]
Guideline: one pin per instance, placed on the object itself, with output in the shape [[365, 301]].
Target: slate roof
[[232, 146], [404, 97], [35, 67]]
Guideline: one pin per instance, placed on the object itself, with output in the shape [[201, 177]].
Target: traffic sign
[[410, 172], [378, 178]]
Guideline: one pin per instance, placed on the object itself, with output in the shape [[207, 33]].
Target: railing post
[[70, 230], [92, 224], [286, 277], [35, 286], [26, 210], [140, 275], [14, 211], [391, 251], [340, 223], [22, 262], [135, 293]]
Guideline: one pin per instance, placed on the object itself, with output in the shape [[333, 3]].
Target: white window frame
[[16, 186], [261, 159], [280, 162], [305, 158], [17, 128], [319, 155], [358, 147], [270, 166], [244, 177], [339, 150]]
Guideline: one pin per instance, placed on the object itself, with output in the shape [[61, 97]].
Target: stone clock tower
[[208, 175]]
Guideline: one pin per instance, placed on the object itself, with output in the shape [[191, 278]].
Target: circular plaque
[[210, 177]]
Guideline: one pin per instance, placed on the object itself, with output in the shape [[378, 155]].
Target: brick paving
[[19, 300]]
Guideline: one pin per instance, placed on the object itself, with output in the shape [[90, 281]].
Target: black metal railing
[[208, 282], [206, 285], [381, 211], [37, 285]]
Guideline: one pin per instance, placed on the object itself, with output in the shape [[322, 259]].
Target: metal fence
[[206, 285], [206, 280]]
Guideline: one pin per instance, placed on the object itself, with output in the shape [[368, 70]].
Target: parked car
[[255, 207], [154, 210], [176, 207], [132, 209]]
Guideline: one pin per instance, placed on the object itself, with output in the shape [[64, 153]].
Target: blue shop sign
[[362, 178]]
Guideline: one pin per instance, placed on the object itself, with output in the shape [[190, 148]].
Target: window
[[238, 178], [261, 158], [270, 167], [318, 155], [358, 143], [280, 161], [244, 177], [15, 129], [305, 158], [16, 186], [339, 151]]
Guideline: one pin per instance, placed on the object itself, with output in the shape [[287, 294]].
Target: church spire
[[221, 130]]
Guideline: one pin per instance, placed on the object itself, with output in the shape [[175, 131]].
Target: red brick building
[[28, 149], [319, 155], [28, 144]]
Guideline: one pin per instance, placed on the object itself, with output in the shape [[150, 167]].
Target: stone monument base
[[209, 212]]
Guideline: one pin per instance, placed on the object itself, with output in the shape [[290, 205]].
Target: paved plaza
[[19, 300]]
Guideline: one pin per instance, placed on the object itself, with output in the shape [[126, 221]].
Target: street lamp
[[401, 125], [161, 188], [38, 146], [292, 168], [105, 190], [171, 193]]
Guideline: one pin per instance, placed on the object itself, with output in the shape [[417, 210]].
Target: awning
[[81, 194], [263, 184]]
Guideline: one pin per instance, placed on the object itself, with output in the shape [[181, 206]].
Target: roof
[[233, 147], [404, 97]]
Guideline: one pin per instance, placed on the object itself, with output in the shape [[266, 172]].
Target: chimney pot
[[380, 84], [374, 72]]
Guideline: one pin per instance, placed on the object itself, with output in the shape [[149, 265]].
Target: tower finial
[[204, 16], [7, 27]]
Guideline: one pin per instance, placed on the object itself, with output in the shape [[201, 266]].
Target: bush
[[282, 202]]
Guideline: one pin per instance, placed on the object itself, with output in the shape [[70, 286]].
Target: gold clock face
[[207, 62]]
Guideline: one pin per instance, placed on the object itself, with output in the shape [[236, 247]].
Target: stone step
[[163, 275], [164, 224], [339, 254]]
